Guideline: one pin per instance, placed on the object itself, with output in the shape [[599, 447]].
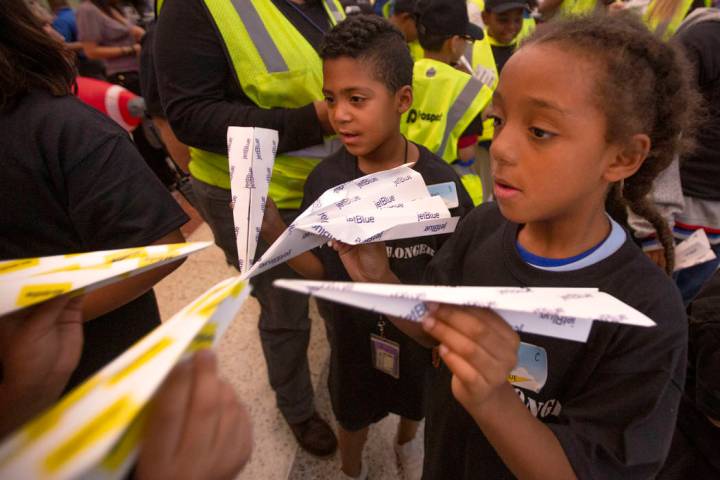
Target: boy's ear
[[404, 97], [629, 158]]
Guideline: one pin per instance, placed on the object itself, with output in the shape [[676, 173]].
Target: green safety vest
[[480, 57], [445, 101], [666, 29], [574, 8], [277, 68]]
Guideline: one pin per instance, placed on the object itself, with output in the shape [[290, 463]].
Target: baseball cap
[[500, 6], [446, 18]]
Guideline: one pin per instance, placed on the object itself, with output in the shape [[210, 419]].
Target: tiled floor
[[275, 455]]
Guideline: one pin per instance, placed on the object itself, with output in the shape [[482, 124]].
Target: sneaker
[[315, 436], [410, 458], [363, 474]]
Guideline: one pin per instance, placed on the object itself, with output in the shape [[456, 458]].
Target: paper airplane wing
[[27, 282], [565, 313]]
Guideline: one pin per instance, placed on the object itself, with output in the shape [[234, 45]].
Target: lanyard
[[306, 17]]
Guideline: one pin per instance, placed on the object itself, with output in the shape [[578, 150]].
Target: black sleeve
[[446, 265], [116, 201], [621, 423], [148, 78], [200, 92]]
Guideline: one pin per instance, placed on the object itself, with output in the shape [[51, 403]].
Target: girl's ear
[[629, 158], [404, 98]]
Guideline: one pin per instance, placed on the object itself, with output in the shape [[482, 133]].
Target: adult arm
[[201, 94], [89, 24]]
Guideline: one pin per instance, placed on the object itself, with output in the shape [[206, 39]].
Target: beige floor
[[275, 455]]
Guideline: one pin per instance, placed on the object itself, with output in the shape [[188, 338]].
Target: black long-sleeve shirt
[[198, 86]]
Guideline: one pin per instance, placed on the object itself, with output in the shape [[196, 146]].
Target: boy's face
[[505, 26], [550, 157], [363, 112]]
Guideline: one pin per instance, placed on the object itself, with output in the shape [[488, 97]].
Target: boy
[[445, 116], [367, 73], [402, 15], [503, 22]]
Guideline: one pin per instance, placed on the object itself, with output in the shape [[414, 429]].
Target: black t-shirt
[[700, 171], [360, 394], [198, 86], [611, 402], [72, 181]]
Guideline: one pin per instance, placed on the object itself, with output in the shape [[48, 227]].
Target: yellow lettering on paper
[[15, 265], [114, 417], [204, 338], [127, 443], [144, 358], [127, 254], [32, 294]]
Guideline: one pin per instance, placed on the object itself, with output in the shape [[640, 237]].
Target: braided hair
[[645, 89], [375, 41]]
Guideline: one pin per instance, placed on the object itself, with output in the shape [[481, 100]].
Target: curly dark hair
[[646, 88], [375, 41], [29, 57]]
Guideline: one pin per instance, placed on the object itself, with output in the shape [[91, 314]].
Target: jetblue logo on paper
[[400, 180], [246, 149], [436, 228], [382, 201], [360, 219], [366, 181], [427, 216]]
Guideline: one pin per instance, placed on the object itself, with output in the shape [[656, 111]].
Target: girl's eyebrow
[[547, 105]]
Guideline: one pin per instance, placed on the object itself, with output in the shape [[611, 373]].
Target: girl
[[586, 111]]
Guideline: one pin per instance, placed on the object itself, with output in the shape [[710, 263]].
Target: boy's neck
[[390, 154], [439, 56], [566, 237]]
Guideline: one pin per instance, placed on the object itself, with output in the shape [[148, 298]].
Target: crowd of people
[[582, 138]]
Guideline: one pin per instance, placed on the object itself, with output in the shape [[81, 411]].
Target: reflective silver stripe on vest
[[469, 50], [271, 57], [332, 8], [459, 107]]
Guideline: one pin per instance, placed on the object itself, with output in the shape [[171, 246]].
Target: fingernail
[[443, 350], [432, 306], [428, 322]]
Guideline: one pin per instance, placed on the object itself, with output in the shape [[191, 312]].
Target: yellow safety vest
[[416, 50], [667, 28], [480, 57], [575, 8], [277, 68], [445, 101], [475, 7]]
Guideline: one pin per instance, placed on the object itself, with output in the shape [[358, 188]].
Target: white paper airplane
[[566, 313], [387, 205]]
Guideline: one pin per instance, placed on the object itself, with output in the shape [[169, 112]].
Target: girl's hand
[[479, 348], [365, 263]]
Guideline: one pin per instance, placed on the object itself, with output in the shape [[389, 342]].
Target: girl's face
[[550, 159]]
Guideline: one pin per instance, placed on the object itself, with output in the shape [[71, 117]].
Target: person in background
[[39, 349], [107, 34], [66, 25], [72, 181], [218, 66], [446, 113], [402, 15]]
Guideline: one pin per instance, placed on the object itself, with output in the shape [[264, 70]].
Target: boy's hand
[[196, 428], [39, 349], [365, 263], [479, 348], [272, 223]]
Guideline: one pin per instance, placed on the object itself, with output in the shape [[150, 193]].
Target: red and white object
[[113, 100]]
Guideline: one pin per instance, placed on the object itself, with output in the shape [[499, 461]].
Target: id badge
[[531, 371], [385, 355]]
